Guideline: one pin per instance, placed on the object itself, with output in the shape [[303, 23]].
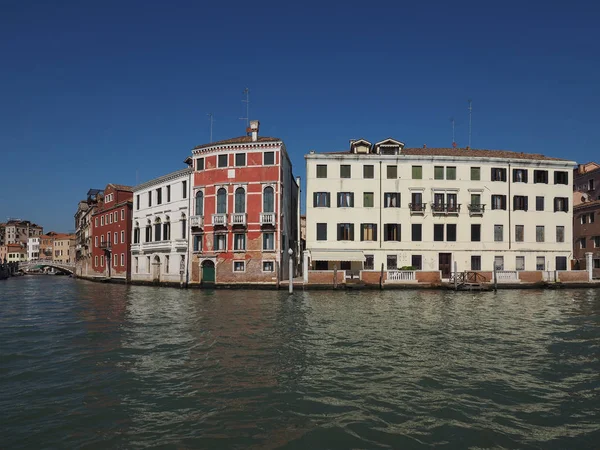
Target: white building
[[383, 204], [33, 248], [159, 249]]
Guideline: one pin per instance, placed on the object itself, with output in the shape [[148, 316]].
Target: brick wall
[[252, 274], [326, 277], [372, 276], [433, 277], [488, 277], [532, 276], [566, 276]]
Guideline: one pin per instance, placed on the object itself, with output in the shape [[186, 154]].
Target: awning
[[336, 255]]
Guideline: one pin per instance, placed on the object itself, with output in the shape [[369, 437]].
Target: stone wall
[[433, 277], [372, 276], [566, 276], [326, 277], [533, 276]]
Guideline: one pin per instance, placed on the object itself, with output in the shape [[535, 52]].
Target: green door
[[208, 272]]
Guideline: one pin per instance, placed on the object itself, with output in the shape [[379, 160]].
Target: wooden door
[[445, 264]]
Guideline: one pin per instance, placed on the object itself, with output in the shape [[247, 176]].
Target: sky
[[119, 91]]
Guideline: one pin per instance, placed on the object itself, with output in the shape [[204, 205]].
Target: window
[[239, 242], [417, 201], [519, 233], [222, 160], [520, 263], [591, 186], [321, 200], [499, 262], [115, 238], [116, 216], [417, 172], [321, 171], [561, 204], [183, 226], [597, 263], [499, 202], [369, 262], [560, 233], [561, 263], [159, 196], [539, 233], [200, 164], [199, 203], [321, 232], [416, 261], [368, 199], [451, 232], [345, 199], [345, 231], [475, 232], [168, 193], [122, 237], [137, 204], [123, 259], [102, 221], [520, 203], [95, 261], [591, 217], [368, 171], [540, 176], [197, 242], [438, 232], [561, 177], [498, 233], [583, 219], [268, 199], [519, 175], [149, 198], [101, 260], [157, 230], [167, 230], [540, 263], [96, 219], [539, 203], [582, 243], [268, 160], [438, 173], [391, 200], [450, 173], [240, 200], [596, 240], [240, 159], [221, 201], [475, 200], [239, 266], [417, 232], [475, 262], [498, 174], [368, 232], [96, 241], [115, 260], [392, 172], [345, 171], [269, 241], [184, 189], [220, 242], [391, 232], [268, 266], [392, 262], [148, 233], [475, 173]]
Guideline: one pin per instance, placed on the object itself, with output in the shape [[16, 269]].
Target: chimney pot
[[468, 148], [254, 127], [424, 145]]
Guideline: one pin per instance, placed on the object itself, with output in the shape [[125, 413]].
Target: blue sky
[[95, 92]]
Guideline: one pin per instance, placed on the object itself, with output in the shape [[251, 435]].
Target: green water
[[87, 365]]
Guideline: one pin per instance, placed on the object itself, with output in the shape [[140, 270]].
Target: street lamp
[[291, 270]]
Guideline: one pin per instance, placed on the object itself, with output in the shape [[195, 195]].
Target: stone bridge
[[26, 265]]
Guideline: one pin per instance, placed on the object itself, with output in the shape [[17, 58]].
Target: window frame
[[343, 169], [368, 168], [393, 168]]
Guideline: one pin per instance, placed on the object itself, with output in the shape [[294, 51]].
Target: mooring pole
[[291, 271], [455, 276]]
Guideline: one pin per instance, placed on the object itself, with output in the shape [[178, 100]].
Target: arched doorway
[[208, 271], [156, 269]]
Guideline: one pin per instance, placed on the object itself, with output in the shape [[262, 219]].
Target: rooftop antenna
[[210, 115], [470, 114], [247, 102], [453, 134]]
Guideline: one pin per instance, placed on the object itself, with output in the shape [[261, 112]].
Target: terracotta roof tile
[[238, 140], [122, 187]]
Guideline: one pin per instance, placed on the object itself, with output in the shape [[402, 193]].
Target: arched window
[[221, 201], [240, 200], [157, 229], [183, 226], [199, 203], [167, 229], [148, 232], [268, 199], [136, 233]]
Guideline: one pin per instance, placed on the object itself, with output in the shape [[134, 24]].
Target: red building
[[245, 211], [111, 233]]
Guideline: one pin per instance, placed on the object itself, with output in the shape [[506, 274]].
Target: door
[[156, 269], [445, 263], [208, 271]]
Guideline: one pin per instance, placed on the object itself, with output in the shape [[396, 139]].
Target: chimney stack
[[253, 129], [424, 145]]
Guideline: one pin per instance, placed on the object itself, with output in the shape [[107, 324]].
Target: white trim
[[262, 267], [238, 261]]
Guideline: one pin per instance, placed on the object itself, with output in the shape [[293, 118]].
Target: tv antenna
[[453, 133], [247, 102], [210, 115], [470, 115]]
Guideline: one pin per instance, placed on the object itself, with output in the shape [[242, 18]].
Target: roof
[[121, 187], [163, 178], [238, 140], [584, 205]]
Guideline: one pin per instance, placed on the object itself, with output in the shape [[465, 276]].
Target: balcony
[[417, 208], [197, 221], [238, 219], [219, 219], [180, 244], [135, 248], [106, 245], [445, 208], [156, 246], [476, 209], [267, 218]]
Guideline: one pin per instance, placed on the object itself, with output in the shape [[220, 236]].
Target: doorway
[[156, 270], [445, 264], [208, 271]]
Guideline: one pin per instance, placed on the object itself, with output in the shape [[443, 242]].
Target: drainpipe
[[299, 209], [508, 205], [187, 252], [380, 206]]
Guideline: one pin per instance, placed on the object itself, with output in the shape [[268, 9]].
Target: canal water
[[88, 365]]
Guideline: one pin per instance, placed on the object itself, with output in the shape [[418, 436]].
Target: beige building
[[16, 252], [17, 230], [384, 205], [61, 245]]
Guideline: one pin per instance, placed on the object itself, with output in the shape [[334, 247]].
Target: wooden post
[[495, 279], [455, 276], [381, 278], [335, 276]]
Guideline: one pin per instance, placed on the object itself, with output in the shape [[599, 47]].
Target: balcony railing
[[219, 219], [445, 208], [401, 276], [106, 245], [267, 218], [196, 221], [417, 208], [238, 219], [476, 209]]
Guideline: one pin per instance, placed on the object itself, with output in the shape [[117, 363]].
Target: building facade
[[16, 252], [33, 248], [83, 232], [61, 245], [47, 245], [19, 231], [586, 217], [111, 234], [244, 211], [385, 206], [159, 249]]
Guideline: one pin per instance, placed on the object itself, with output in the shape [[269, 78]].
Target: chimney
[[424, 145], [468, 148], [581, 169], [253, 129]]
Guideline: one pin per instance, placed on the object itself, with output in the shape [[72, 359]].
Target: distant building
[[83, 231], [111, 234], [586, 217], [61, 245], [33, 248], [16, 252], [160, 237], [47, 245], [17, 230]]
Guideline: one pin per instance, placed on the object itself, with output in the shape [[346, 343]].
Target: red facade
[[111, 233]]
